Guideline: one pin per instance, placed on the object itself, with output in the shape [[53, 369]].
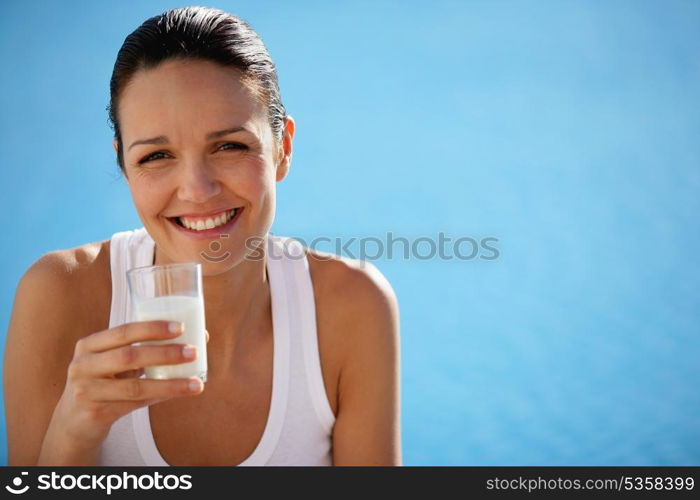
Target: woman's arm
[[37, 352], [367, 429]]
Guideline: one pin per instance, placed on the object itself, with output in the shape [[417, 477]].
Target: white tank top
[[300, 421]]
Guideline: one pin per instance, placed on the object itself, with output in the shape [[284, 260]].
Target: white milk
[[188, 310]]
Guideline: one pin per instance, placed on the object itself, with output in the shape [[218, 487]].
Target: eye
[[234, 146], [151, 157]]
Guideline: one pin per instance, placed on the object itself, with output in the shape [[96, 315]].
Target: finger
[[130, 373], [128, 333], [151, 402], [207, 334], [133, 357], [141, 389]]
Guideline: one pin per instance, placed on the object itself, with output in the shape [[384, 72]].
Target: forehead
[[184, 98]]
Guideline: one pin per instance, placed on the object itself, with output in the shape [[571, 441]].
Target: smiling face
[[201, 161]]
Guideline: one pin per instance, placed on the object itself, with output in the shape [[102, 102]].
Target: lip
[[214, 232]]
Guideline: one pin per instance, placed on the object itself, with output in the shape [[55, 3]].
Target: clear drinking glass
[[172, 292]]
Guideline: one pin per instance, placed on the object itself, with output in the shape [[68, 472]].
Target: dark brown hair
[[197, 33]]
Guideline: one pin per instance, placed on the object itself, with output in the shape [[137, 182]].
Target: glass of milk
[[172, 292]]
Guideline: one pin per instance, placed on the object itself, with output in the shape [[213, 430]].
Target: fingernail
[[176, 327], [194, 385], [189, 351]]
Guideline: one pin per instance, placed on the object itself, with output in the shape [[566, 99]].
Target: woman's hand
[[102, 383]]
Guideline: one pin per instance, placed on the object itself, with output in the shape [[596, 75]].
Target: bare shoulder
[[81, 270], [64, 289], [63, 265], [61, 298], [352, 285], [357, 313]]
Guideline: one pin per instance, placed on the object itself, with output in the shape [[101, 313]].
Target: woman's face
[[203, 182]]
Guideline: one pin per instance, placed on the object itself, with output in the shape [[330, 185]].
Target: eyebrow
[[161, 139]]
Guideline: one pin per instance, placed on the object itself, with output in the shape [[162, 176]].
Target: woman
[[303, 347]]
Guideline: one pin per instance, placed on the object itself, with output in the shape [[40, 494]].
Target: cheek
[[147, 195], [255, 181]]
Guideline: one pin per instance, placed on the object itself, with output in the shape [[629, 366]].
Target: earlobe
[[283, 166], [282, 170]]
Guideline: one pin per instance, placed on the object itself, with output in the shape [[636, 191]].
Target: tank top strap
[[295, 262], [127, 249]]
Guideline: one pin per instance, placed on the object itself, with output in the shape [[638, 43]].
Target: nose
[[197, 183]]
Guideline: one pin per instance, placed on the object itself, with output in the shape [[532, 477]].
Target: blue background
[[567, 130]]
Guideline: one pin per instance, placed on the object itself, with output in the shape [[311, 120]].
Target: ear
[[285, 154]]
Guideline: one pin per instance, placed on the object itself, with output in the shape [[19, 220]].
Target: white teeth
[[209, 223]]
